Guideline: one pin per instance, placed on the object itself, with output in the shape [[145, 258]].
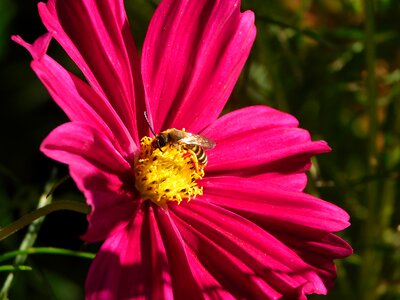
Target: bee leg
[[195, 161]]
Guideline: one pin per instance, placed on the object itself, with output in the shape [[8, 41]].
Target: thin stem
[[35, 219], [40, 212], [12, 268], [46, 250], [28, 240], [370, 267], [371, 84]]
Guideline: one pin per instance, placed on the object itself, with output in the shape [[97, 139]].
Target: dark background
[[309, 59]]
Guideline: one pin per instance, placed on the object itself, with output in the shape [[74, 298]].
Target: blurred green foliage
[[330, 63]]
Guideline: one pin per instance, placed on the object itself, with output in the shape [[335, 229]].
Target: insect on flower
[[195, 144], [192, 142]]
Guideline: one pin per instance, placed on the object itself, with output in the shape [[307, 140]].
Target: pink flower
[[246, 230]]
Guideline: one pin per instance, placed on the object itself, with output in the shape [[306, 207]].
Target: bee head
[[160, 141]]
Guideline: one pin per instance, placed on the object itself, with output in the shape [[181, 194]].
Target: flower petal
[[145, 260], [184, 281], [111, 204], [311, 245], [193, 54], [132, 263], [76, 98], [99, 171], [268, 206], [247, 261], [39, 48], [286, 181], [96, 35], [73, 141], [263, 149], [110, 210], [189, 278], [287, 173], [248, 119], [258, 139]]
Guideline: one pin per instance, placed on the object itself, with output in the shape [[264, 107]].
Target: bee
[[180, 138], [195, 142]]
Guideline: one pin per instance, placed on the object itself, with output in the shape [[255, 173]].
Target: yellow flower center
[[167, 175]]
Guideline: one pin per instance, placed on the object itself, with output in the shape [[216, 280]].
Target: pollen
[[169, 174]]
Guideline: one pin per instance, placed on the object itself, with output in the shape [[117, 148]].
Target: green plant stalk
[[12, 268], [388, 193], [388, 202], [40, 212], [28, 240], [371, 262], [46, 250]]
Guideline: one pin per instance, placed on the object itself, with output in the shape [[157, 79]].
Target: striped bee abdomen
[[200, 153]]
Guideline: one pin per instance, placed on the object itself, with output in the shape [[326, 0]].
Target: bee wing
[[196, 139]]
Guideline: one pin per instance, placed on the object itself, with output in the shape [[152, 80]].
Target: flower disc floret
[[167, 174]]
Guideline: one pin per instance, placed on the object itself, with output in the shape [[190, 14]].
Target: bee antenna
[[148, 123], [152, 130]]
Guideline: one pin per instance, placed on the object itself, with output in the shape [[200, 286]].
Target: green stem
[[35, 219], [46, 250], [371, 83], [12, 268], [28, 240], [371, 261], [40, 212]]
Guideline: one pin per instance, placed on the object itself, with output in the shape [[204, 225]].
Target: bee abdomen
[[200, 153]]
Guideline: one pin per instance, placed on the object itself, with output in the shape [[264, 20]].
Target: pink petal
[[145, 260], [246, 260], [39, 48], [285, 181], [110, 210], [193, 54], [315, 248], [131, 264], [311, 245], [259, 139], [248, 119], [184, 281], [308, 241], [96, 35], [287, 173], [112, 204], [99, 171], [268, 206], [263, 149], [74, 141], [76, 98]]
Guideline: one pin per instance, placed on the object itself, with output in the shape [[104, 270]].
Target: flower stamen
[[167, 175]]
